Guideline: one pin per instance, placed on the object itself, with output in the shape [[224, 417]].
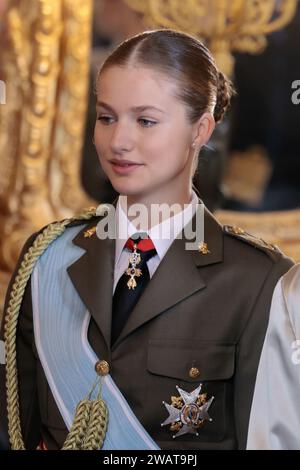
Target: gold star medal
[[203, 248], [188, 412], [90, 232]]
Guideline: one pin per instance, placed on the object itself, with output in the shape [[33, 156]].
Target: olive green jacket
[[208, 312]]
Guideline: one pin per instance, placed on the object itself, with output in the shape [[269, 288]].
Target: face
[[142, 134]]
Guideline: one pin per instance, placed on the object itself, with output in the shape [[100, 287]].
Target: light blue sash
[[60, 327]]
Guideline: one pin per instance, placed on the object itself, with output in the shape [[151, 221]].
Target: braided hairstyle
[[224, 93]]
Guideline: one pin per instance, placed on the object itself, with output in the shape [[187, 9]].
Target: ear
[[203, 129]]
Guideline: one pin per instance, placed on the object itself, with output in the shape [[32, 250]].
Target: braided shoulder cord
[[40, 244]]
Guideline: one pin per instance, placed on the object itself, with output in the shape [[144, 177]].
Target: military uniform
[[201, 319]]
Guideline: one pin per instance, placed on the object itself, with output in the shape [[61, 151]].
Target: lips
[[124, 166], [123, 162]]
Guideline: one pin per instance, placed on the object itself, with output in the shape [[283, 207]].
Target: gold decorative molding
[[45, 67], [71, 106], [281, 228], [247, 174], [226, 25]]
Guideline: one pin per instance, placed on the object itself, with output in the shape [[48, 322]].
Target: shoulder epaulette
[[241, 234]]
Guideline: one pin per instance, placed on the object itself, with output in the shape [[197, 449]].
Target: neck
[[153, 210]]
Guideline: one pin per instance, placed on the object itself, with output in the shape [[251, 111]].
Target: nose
[[121, 138]]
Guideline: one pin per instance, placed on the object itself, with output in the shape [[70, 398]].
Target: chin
[[126, 187]]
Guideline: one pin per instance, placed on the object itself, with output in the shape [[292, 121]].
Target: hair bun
[[224, 93]]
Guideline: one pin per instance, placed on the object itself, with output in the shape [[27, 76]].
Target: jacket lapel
[[92, 275], [177, 277]]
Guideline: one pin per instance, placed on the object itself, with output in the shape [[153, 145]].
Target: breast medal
[[188, 412], [132, 270]]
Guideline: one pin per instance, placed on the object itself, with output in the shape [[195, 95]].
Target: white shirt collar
[[162, 234]]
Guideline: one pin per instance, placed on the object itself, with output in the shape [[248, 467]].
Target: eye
[[106, 120], [146, 122]]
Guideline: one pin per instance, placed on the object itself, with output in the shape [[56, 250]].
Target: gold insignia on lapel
[[203, 248], [188, 412], [88, 233]]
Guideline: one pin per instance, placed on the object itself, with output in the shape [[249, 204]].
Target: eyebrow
[[136, 109]]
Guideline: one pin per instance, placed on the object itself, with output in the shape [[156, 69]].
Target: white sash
[[60, 328]]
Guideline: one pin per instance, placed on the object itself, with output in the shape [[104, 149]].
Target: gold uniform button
[[194, 372], [102, 367]]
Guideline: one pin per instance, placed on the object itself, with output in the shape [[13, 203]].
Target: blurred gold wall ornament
[[225, 25], [45, 65]]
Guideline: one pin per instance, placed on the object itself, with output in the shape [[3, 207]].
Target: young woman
[[174, 332]]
